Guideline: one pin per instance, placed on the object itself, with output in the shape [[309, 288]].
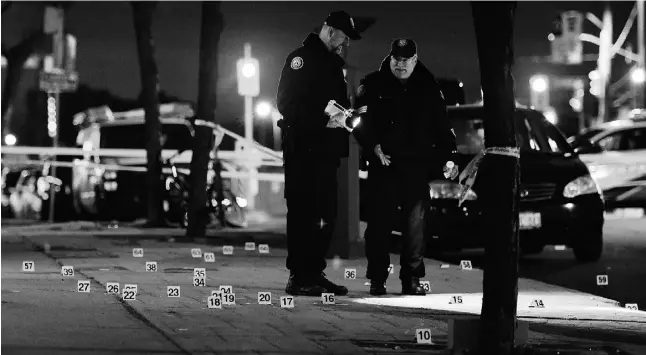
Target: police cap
[[403, 48], [344, 22]]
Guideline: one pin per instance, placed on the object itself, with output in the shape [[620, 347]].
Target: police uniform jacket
[[311, 77], [408, 120]]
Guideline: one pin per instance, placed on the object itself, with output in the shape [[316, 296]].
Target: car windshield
[[176, 136], [583, 138], [532, 133]]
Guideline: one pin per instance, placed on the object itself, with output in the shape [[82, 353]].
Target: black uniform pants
[[311, 194], [397, 186]]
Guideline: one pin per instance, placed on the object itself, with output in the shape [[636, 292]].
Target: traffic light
[[51, 116], [248, 77]]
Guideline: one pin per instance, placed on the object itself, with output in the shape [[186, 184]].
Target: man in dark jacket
[[408, 139], [313, 144]]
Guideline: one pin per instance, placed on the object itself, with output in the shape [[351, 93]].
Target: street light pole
[[640, 51], [248, 106]]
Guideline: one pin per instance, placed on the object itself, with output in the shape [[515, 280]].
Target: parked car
[[29, 197], [615, 153], [560, 203], [106, 193]]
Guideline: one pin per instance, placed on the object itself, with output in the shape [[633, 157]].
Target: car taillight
[[583, 185], [447, 190]]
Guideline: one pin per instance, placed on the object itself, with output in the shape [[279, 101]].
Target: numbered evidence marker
[[226, 289], [227, 250], [214, 302], [466, 265], [228, 298], [138, 252], [67, 271], [112, 288], [632, 306], [350, 274], [444, 266], [391, 269], [426, 285], [196, 252], [199, 277], [602, 280], [264, 297], [209, 257], [423, 336], [249, 246], [537, 304], [328, 298], [28, 266], [151, 266], [129, 292], [172, 291], [83, 286], [286, 301], [263, 248], [455, 300]]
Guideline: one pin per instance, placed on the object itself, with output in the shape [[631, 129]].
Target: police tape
[[136, 153], [272, 177], [470, 172]]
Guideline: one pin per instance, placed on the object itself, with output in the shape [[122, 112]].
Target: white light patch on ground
[[562, 305]]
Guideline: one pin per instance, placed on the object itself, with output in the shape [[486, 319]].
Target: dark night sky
[[444, 32]]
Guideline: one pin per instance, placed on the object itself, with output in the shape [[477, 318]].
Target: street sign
[[58, 81]]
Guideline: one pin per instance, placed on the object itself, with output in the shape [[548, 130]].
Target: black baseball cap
[[344, 22], [403, 48]]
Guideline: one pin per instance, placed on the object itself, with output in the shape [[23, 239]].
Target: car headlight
[[447, 190], [583, 185]]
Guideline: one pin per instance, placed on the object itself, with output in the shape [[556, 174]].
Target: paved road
[[623, 261], [46, 315]]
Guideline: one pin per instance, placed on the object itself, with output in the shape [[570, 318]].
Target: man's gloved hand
[[385, 159], [450, 170]]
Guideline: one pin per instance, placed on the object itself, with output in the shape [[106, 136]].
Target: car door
[[620, 168]]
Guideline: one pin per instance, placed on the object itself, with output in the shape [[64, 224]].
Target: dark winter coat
[[311, 77]]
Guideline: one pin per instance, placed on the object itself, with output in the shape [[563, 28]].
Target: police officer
[[407, 138], [313, 144]]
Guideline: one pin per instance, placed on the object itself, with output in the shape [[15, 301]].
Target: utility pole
[[604, 63], [640, 51], [249, 87]]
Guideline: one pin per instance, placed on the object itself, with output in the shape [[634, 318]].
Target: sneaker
[[331, 287], [411, 286], [377, 288]]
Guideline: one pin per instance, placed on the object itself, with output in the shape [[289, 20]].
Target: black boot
[[300, 287], [377, 288], [411, 286], [331, 287]]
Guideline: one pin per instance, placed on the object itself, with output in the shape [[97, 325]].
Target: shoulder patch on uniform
[[360, 90], [297, 63]]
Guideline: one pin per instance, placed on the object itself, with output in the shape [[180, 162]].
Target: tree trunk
[[143, 18], [499, 177], [16, 58], [211, 28]]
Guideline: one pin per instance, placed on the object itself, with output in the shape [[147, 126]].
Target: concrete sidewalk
[[356, 324]]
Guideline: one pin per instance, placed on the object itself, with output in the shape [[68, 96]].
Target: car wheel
[[589, 247], [532, 249]]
